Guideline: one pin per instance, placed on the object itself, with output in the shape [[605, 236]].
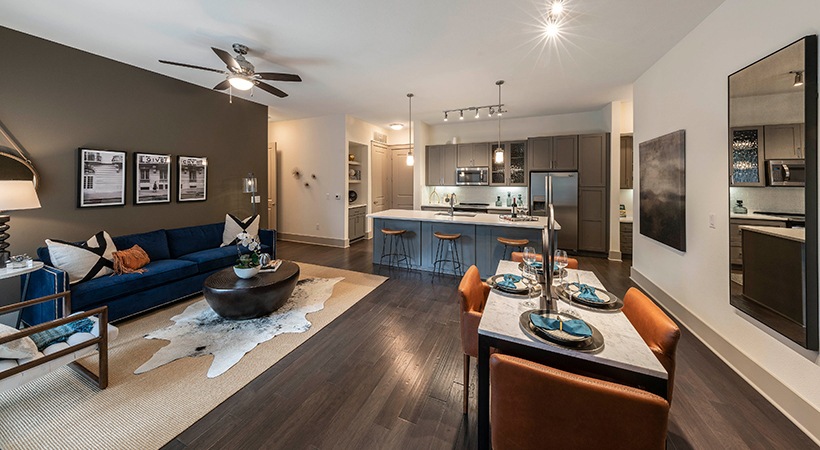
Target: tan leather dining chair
[[659, 332], [536, 407], [519, 257], [473, 296]]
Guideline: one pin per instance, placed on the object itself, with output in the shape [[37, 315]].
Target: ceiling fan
[[241, 74]]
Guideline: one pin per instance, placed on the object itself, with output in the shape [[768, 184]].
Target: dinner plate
[[554, 272], [614, 303], [606, 297], [592, 344], [520, 286]]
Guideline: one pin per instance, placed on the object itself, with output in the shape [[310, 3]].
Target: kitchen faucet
[[452, 202]]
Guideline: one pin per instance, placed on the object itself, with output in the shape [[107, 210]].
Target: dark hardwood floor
[[387, 375]]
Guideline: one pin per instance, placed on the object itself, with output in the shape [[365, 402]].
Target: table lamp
[[249, 187], [14, 195]]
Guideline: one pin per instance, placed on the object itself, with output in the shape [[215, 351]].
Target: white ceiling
[[361, 57]]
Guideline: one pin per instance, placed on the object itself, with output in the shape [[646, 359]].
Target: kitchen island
[[478, 243]]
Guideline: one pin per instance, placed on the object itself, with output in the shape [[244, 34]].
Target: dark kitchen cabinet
[[512, 171], [441, 165], [783, 141], [626, 162], [553, 153], [626, 238], [592, 223], [473, 155], [592, 160]]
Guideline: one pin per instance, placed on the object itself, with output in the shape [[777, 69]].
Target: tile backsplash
[[772, 199], [476, 194]]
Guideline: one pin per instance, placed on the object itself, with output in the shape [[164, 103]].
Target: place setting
[[562, 329], [588, 297]]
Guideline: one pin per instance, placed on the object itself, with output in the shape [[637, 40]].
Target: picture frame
[[192, 178], [152, 178], [101, 178]]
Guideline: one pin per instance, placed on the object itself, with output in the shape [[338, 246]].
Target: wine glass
[[529, 255], [530, 274]]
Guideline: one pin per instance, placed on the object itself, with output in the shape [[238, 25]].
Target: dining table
[[624, 358]]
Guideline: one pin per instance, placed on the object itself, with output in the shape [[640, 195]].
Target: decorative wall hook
[[296, 174]]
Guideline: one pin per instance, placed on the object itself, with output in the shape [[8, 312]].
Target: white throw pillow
[[234, 226], [85, 261], [18, 348]]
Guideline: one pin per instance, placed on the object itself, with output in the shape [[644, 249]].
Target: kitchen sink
[[459, 214]]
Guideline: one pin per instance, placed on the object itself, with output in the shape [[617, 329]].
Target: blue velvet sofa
[[181, 259]]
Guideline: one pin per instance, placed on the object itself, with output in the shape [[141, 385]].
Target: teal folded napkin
[[509, 281], [537, 265], [575, 327], [587, 292]]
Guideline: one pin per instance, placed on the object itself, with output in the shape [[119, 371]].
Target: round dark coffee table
[[238, 299]]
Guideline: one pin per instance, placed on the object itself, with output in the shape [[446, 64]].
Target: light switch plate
[[711, 221]]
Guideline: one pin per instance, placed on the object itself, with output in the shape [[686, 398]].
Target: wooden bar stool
[[441, 258], [399, 253], [519, 243]]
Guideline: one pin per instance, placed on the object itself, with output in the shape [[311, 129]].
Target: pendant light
[[410, 159], [498, 153]]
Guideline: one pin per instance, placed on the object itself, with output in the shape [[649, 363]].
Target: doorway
[[392, 181]]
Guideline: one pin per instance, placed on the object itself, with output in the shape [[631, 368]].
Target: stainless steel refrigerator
[[562, 189]]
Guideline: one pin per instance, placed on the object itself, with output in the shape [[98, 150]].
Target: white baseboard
[[792, 405], [614, 255], [307, 239]]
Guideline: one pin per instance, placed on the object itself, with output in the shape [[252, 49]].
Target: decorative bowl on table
[[246, 273]]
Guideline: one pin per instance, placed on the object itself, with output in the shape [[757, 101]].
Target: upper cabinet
[[553, 153], [441, 165], [626, 162], [512, 171], [746, 149], [783, 141], [473, 155], [592, 160]]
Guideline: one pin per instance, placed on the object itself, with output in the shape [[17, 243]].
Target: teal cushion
[[61, 333]]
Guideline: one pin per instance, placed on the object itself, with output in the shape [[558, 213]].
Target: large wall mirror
[[773, 191]]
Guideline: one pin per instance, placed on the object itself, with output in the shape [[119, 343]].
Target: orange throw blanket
[[130, 261]]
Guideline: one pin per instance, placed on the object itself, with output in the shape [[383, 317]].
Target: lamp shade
[[18, 194]]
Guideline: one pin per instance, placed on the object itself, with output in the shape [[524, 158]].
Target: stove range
[[471, 207]]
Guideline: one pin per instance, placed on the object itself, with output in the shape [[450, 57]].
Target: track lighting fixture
[[461, 116], [445, 117], [491, 111], [476, 113]]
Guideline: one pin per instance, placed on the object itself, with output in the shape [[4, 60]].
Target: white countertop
[[751, 216], [625, 219], [491, 207], [623, 346], [794, 234], [478, 219]]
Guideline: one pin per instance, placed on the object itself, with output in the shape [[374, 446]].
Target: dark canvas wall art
[[663, 189]]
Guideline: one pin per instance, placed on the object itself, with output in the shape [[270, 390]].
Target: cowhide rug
[[199, 331]]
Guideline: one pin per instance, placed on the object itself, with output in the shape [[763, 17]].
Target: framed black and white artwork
[[152, 178], [192, 172], [101, 178]]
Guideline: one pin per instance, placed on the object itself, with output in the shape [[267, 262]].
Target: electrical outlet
[[711, 221]]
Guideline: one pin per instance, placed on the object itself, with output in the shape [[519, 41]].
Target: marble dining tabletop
[[623, 346]]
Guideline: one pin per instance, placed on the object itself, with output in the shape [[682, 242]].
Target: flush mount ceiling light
[[554, 18], [410, 158], [798, 77], [240, 82], [396, 126]]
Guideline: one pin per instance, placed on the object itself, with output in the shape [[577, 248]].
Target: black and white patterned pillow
[[234, 226], [88, 260]]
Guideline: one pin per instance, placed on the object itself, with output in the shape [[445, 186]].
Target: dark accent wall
[[55, 99]]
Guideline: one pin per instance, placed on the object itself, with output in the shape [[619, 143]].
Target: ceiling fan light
[[240, 82], [396, 126]]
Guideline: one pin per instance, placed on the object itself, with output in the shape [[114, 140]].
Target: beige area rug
[[63, 410]]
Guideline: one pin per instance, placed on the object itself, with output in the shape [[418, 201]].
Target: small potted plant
[[248, 264]]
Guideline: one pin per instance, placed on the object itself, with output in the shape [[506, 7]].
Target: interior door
[[402, 186], [272, 180], [380, 165]]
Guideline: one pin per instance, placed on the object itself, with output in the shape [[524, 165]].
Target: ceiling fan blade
[[270, 89], [192, 66], [227, 59], [225, 84], [278, 76]]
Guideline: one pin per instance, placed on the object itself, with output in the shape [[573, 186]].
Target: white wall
[[361, 132], [687, 89], [612, 113], [317, 146]]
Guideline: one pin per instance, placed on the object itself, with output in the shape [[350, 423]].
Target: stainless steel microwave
[[786, 172], [472, 176]]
